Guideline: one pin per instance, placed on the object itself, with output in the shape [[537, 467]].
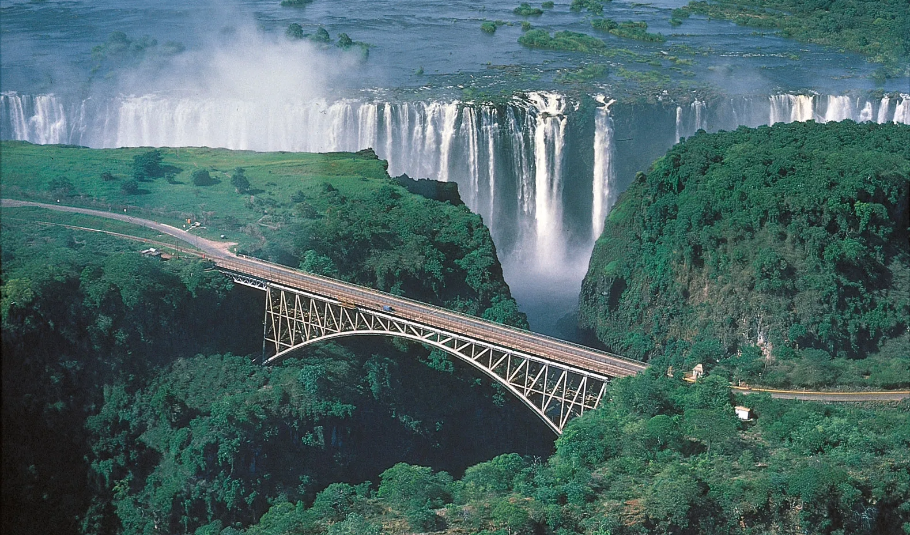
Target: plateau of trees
[[777, 254], [878, 29]]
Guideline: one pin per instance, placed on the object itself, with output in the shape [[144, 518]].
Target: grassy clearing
[[276, 180], [30, 215]]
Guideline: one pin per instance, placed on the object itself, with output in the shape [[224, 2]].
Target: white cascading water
[[690, 121], [549, 142], [838, 108], [490, 129], [902, 110], [509, 160], [472, 151], [603, 165], [792, 108]]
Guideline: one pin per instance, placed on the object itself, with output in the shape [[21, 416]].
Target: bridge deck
[[517, 339]]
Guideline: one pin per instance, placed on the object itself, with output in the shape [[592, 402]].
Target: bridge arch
[[295, 318], [554, 394]]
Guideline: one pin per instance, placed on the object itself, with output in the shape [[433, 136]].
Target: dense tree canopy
[[771, 243], [879, 29], [659, 457]]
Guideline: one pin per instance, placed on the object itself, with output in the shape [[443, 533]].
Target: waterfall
[[469, 134], [603, 165], [902, 110], [838, 108], [549, 141], [39, 119], [791, 108], [518, 163], [490, 126], [883, 111], [690, 121], [521, 164], [679, 119]]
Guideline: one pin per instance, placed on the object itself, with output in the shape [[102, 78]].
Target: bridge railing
[[458, 322]]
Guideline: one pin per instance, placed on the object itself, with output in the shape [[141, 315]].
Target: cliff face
[[776, 241]]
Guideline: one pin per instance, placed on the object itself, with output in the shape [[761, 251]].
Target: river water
[[541, 161]]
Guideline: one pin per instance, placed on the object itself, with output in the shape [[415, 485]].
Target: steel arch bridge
[[295, 318]]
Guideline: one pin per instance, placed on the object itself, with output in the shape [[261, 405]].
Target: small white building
[[743, 413]]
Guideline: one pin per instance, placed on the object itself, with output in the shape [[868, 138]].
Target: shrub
[[569, 41], [636, 30], [147, 165], [547, 5], [239, 180], [61, 186], [594, 6], [604, 25], [322, 36], [294, 31], [201, 177], [525, 10], [107, 176], [130, 187], [488, 27]]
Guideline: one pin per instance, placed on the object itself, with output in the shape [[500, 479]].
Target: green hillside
[[778, 254], [132, 397]]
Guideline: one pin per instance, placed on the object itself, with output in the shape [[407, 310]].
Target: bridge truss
[[296, 318]]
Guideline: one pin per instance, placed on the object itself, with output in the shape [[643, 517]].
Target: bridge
[[557, 380]]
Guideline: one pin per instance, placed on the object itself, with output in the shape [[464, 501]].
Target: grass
[[585, 74], [31, 215], [276, 179], [565, 40]]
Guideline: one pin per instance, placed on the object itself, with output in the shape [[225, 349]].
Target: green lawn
[[277, 179]]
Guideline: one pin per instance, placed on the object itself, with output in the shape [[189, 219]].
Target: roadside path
[[889, 395], [212, 247]]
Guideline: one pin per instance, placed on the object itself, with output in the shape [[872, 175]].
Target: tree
[[130, 187], [344, 41], [239, 180], [294, 31], [321, 36], [406, 486], [201, 177], [147, 165]]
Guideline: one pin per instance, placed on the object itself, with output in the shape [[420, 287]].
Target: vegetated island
[[777, 255], [877, 29]]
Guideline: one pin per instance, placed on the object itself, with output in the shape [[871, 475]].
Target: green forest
[[878, 29], [133, 403], [777, 255], [101, 344]]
